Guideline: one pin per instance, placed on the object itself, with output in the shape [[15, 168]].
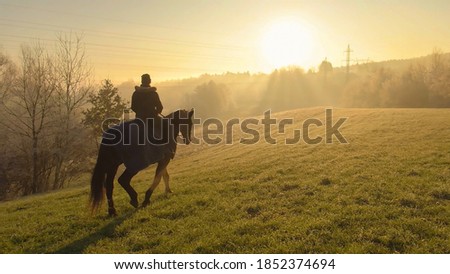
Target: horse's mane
[[177, 114]]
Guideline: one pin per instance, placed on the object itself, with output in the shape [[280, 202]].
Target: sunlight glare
[[287, 43]]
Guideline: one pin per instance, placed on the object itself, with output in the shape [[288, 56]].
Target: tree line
[[423, 83], [50, 116]]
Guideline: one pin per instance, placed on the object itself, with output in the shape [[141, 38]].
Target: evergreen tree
[[106, 105]]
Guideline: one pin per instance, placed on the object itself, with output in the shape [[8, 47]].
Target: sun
[[287, 42]]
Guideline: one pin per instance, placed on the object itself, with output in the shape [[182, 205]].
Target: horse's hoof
[[112, 212], [169, 191], [134, 203], [145, 204]]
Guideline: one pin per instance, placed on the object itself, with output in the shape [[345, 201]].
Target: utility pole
[[347, 60]]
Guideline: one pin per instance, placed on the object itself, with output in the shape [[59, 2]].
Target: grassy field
[[387, 191]]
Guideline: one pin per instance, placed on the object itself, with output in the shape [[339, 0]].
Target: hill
[[398, 65], [386, 191]]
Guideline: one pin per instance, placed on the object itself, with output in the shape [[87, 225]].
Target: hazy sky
[[173, 39]]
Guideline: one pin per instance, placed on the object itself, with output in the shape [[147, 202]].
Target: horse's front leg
[[109, 185], [124, 181], [158, 174]]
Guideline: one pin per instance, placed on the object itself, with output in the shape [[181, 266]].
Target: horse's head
[[185, 123]]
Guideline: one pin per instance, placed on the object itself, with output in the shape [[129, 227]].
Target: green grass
[[387, 191]]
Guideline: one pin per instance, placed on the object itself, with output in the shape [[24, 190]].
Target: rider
[[146, 104]]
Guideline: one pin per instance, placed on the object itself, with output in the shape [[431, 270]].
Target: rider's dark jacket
[[145, 103]]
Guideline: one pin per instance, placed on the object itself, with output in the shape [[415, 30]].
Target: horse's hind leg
[[158, 174], [124, 181], [166, 178], [109, 185]]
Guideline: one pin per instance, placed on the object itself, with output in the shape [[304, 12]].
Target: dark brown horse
[[109, 159]]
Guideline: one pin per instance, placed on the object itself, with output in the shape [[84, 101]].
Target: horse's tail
[[98, 180]]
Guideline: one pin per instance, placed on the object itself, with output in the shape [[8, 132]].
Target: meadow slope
[[386, 191]]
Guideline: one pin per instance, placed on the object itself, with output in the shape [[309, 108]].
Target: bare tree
[[438, 79], [27, 104], [7, 76], [74, 84]]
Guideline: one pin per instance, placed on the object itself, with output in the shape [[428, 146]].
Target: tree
[[407, 89], [438, 79], [73, 86], [287, 88], [7, 77], [105, 104], [325, 68], [210, 99], [28, 105], [8, 72], [42, 138]]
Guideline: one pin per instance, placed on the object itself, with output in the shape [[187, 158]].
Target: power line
[[105, 19], [170, 68], [348, 60], [122, 50], [140, 38], [133, 49], [160, 67], [121, 35]]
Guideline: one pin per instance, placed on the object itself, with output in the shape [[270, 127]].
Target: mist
[[420, 82]]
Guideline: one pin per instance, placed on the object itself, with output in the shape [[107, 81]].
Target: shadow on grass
[[78, 246]]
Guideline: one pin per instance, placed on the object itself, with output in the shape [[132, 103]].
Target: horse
[[109, 160]]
